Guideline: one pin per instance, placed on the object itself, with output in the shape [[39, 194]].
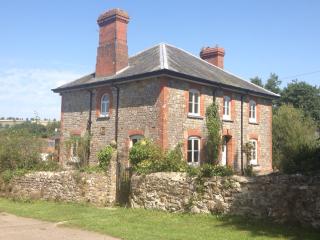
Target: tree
[[256, 80], [273, 83], [304, 96], [214, 137], [295, 144]]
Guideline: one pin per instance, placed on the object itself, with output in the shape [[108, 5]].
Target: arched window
[[226, 108], [105, 104], [252, 111], [194, 102], [193, 151], [254, 152]]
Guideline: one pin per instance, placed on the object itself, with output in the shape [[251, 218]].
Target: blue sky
[[46, 43]]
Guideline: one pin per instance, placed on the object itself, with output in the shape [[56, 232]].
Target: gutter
[[89, 122], [163, 72], [116, 130]]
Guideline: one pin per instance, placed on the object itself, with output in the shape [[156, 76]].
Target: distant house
[[162, 93]]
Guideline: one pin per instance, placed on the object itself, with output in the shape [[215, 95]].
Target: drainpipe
[[241, 137], [89, 121]]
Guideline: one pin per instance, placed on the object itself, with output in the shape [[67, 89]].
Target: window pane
[[196, 144], [196, 108], [189, 145], [196, 98], [190, 96], [196, 156]]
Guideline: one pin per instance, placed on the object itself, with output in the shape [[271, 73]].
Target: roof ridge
[[240, 78], [163, 56]]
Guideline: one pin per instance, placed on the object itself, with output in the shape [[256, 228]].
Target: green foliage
[[256, 80], [104, 157], [49, 165], [295, 145], [209, 170], [273, 83], [19, 149], [82, 146], [214, 136], [35, 129], [155, 225], [144, 150], [9, 174], [304, 96], [248, 171], [146, 157]]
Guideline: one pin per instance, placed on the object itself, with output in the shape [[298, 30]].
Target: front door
[[224, 152]]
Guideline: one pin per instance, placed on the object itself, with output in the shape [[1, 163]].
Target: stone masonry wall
[[68, 186], [279, 197]]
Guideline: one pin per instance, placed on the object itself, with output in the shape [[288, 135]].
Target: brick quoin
[[163, 120]]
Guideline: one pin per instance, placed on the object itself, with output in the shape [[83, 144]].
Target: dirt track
[[19, 228]]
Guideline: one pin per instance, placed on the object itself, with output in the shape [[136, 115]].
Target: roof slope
[[169, 59]]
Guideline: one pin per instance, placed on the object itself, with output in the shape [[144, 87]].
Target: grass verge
[[134, 224]]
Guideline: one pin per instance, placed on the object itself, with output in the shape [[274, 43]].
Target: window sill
[[227, 120], [103, 118], [194, 116], [253, 123]]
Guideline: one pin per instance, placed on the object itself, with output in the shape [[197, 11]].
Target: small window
[[134, 139], [105, 103], [193, 150], [254, 151], [226, 108], [252, 111], [194, 102]]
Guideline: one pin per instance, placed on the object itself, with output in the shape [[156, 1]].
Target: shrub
[[19, 149], [209, 170], [8, 174], [104, 157], [82, 144], [295, 142], [49, 165], [146, 157], [214, 136], [144, 150]]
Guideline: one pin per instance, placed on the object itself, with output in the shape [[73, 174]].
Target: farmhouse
[[162, 93]]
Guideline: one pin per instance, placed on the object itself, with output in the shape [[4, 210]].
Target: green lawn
[[145, 224]]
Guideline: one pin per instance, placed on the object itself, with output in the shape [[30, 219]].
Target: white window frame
[[195, 95], [106, 102], [137, 137], [192, 151], [252, 111], [254, 152], [226, 108]]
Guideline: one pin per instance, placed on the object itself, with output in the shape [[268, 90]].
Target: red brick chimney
[[214, 55], [112, 54]]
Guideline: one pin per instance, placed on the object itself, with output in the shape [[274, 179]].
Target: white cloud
[[24, 91]]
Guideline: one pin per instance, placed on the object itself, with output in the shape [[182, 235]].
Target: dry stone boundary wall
[[280, 197]]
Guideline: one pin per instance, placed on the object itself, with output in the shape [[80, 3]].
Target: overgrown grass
[[145, 224]]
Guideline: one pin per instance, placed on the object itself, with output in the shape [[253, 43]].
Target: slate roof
[[170, 60]]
